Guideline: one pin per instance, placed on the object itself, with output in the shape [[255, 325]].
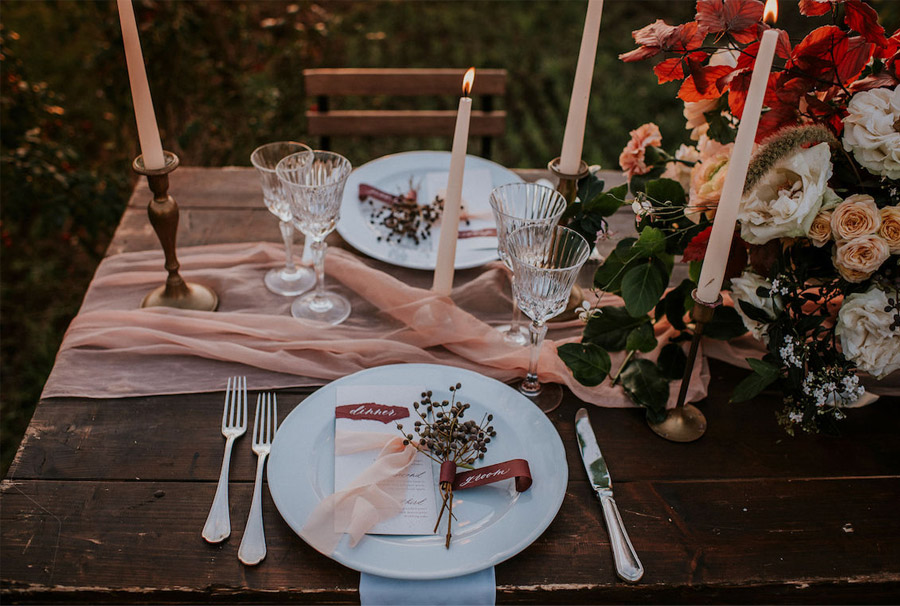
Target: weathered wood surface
[[409, 123], [106, 498], [403, 81]]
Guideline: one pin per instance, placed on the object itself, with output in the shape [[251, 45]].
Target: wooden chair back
[[324, 85]]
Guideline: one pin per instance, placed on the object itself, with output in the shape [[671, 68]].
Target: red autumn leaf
[[686, 37], [819, 52], [893, 46], [774, 120], [737, 92], [814, 8], [639, 54], [654, 34], [701, 84], [728, 16], [737, 258], [862, 18], [668, 70], [696, 248], [856, 55]]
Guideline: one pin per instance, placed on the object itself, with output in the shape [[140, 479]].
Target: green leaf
[[639, 182], [694, 271], [672, 361], [725, 324], [610, 326], [719, 128], [755, 313], [652, 242], [607, 203], [645, 385], [763, 375], [675, 306], [589, 363], [641, 338], [666, 190], [642, 287], [590, 187]]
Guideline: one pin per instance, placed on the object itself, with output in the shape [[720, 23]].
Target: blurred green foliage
[[226, 76]]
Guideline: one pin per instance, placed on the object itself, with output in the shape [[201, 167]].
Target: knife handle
[[628, 566]]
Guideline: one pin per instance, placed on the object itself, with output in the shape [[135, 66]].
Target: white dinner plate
[[394, 174], [493, 522]]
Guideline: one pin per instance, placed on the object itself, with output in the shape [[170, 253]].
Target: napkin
[[476, 588]]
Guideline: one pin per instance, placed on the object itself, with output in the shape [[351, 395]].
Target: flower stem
[[615, 379]]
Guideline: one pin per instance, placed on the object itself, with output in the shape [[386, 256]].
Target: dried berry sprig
[[446, 436]]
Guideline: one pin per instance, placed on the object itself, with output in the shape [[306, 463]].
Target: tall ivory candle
[[713, 271], [148, 133], [446, 255], [573, 139]]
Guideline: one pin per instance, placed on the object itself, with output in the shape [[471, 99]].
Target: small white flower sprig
[[445, 438]]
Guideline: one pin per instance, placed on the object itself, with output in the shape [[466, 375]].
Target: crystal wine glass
[[292, 279], [516, 205], [316, 190], [545, 266]]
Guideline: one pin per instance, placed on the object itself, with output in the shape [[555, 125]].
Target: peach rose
[[857, 259], [856, 216], [890, 227], [632, 157], [707, 180], [820, 230], [679, 171], [695, 116]]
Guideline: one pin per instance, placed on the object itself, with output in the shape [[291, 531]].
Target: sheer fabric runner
[[115, 349]]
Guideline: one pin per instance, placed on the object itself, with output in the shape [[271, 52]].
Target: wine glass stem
[[318, 252], [287, 234], [516, 316], [531, 385]]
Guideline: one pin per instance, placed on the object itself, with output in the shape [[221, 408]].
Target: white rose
[[872, 130], [743, 288], [866, 337], [787, 199]]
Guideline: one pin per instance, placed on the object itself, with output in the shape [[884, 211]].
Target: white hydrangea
[[871, 130]]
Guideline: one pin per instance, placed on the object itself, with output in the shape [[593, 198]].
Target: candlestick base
[[567, 184], [685, 422], [163, 213]]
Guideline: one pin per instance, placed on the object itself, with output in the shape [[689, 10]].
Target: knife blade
[[628, 566]]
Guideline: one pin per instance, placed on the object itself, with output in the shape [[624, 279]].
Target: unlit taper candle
[[716, 257], [148, 132], [446, 255], [573, 139]]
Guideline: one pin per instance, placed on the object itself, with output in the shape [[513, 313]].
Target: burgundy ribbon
[[371, 411], [477, 233], [514, 468], [367, 191]]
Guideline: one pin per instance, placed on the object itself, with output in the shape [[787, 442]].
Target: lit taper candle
[[713, 270], [573, 139], [148, 132], [446, 255]]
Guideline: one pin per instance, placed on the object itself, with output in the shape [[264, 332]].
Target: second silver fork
[[253, 544]]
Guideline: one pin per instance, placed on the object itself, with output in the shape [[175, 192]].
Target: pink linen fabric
[[114, 349], [373, 497]]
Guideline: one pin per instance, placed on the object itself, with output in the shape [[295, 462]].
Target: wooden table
[[106, 498]]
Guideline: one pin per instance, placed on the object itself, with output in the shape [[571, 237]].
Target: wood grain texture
[[411, 123], [405, 81]]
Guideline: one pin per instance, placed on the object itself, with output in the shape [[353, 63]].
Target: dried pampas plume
[[780, 145]]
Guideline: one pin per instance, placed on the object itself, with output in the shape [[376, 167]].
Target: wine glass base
[[547, 399], [514, 335], [328, 307], [290, 283]]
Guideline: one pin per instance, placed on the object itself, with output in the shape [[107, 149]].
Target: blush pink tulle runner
[[115, 349]]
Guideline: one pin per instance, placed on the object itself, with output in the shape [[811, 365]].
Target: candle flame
[[771, 11], [468, 81]]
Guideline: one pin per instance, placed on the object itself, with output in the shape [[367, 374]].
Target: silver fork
[[234, 425], [253, 544]]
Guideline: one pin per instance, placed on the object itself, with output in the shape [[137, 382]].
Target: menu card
[[378, 408]]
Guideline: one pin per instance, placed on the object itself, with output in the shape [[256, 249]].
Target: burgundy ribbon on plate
[[367, 191], [487, 232], [371, 411], [514, 468]]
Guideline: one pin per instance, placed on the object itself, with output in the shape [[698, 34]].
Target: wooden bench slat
[[409, 82], [402, 123]]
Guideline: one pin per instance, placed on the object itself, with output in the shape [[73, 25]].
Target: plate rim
[[365, 249], [516, 547]]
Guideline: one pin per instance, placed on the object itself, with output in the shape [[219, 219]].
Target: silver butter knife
[[628, 566]]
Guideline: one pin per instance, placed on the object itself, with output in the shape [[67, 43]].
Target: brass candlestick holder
[[685, 422], [568, 184], [163, 212]]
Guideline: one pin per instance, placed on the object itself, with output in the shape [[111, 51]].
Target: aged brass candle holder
[[163, 212], [568, 184], [685, 422]]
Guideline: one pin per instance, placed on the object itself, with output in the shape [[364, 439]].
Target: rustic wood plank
[[120, 440], [717, 536], [405, 82], [369, 123]]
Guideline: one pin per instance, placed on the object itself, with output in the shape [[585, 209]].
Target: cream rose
[[871, 131], [867, 339], [679, 171], [820, 230], [857, 259], [743, 288], [787, 199], [695, 116], [890, 227], [707, 180], [856, 216]]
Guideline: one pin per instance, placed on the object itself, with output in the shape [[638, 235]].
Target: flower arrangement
[[814, 267]]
